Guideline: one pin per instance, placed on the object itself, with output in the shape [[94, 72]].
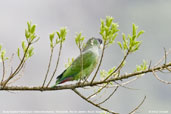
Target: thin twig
[[165, 56], [49, 65], [163, 81], [169, 51], [119, 67], [130, 81], [149, 66], [10, 63], [57, 62], [124, 83], [133, 111], [109, 96], [121, 85], [18, 68], [100, 62], [18, 76], [97, 91], [96, 105], [168, 69], [3, 75]]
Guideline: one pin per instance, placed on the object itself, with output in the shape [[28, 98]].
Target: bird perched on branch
[[84, 64]]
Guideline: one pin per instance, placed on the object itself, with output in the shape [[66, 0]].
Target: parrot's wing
[[88, 58]]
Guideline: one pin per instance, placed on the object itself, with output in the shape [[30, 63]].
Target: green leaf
[[119, 43], [69, 62], [124, 37], [136, 47], [141, 32], [63, 33], [23, 45], [113, 38], [134, 29], [79, 40], [30, 51], [27, 35], [103, 74], [108, 30], [0, 47], [51, 36], [3, 52], [109, 21], [125, 46], [141, 67], [129, 36], [33, 28], [136, 43], [18, 52], [59, 36], [57, 41], [111, 70], [29, 26], [133, 37]]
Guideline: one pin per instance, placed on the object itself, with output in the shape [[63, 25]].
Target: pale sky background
[[153, 16]]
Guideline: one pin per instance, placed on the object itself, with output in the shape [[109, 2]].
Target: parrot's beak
[[101, 46]]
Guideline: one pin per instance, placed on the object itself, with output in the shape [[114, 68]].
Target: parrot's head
[[94, 42]]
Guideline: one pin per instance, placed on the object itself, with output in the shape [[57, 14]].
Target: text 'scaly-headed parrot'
[[89, 59]]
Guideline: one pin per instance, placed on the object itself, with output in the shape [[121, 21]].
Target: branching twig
[[109, 96], [123, 85], [133, 111], [119, 67], [57, 62], [18, 68], [163, 58], [163, 81], [97, 91], [130, 81], [96, 105], [17, 77]]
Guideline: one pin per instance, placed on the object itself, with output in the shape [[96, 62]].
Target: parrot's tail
[[61, 79], [58, 81]]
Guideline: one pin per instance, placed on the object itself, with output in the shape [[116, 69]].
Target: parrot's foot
[[78, 83]]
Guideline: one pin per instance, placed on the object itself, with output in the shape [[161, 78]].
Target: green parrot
[[83, 65]]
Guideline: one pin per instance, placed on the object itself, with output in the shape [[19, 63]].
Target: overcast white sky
[[84, 16]]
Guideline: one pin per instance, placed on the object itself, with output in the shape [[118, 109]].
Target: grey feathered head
[[93, 42]]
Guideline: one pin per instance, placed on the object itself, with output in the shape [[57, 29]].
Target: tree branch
[[95, 83]]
